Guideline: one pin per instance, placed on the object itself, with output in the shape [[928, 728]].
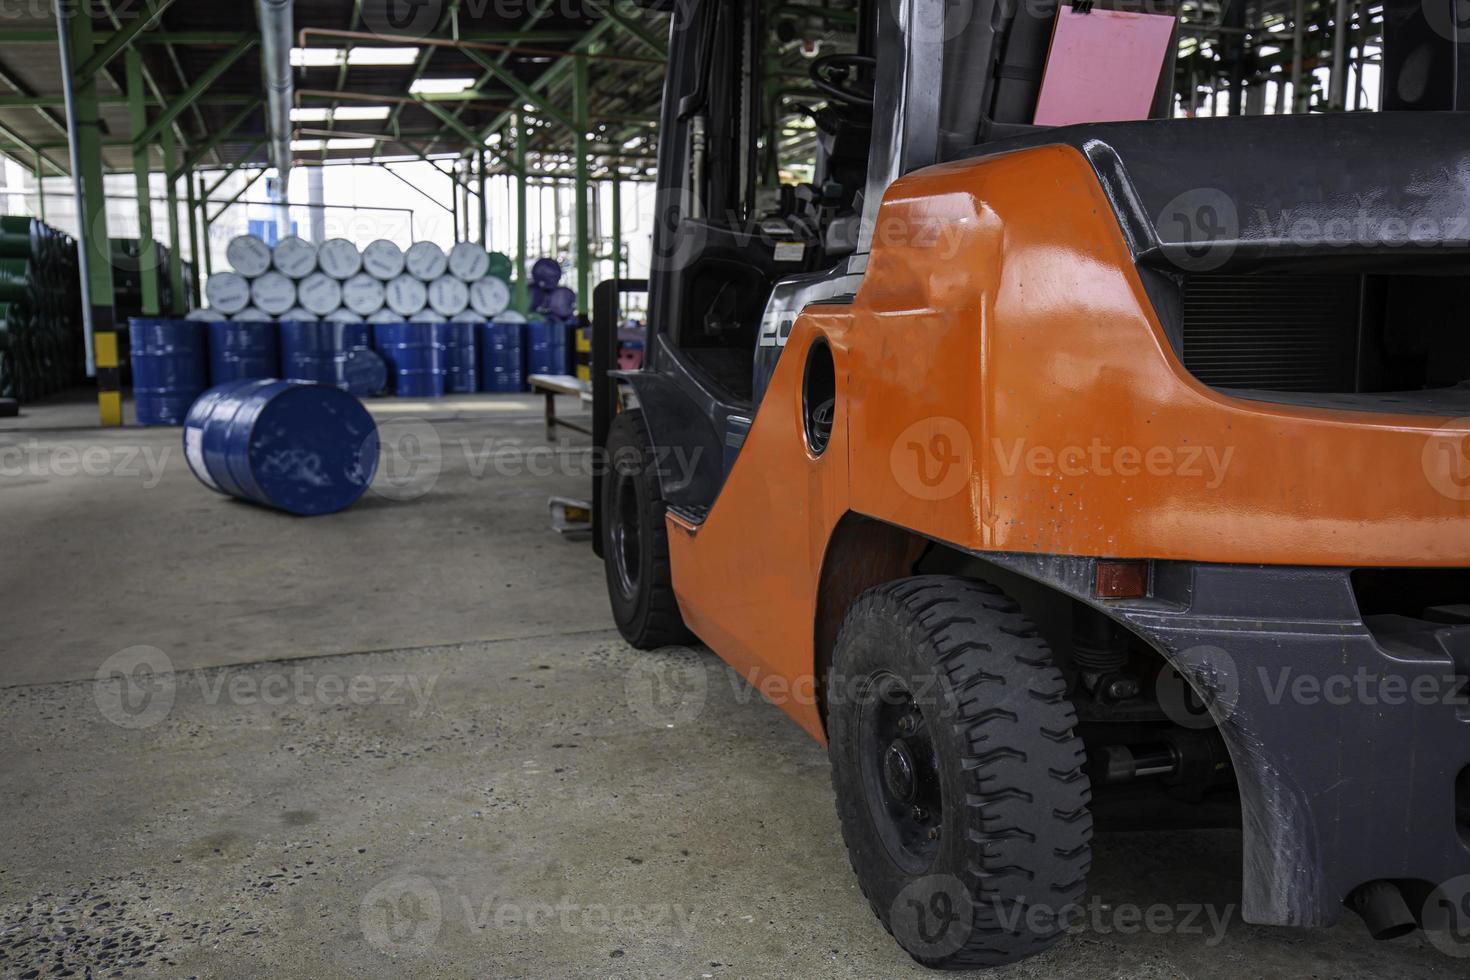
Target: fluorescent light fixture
[[340, 143], [440, 86], [316, 57], [347, 113], [335, 57], [382, 56], [358, 113]]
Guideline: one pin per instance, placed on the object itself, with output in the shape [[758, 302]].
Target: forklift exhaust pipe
[[1383, 909]]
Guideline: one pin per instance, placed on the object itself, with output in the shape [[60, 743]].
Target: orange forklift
[[1057, 473]]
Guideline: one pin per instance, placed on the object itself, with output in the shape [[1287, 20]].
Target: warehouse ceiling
[[364, 87], [449, 77]]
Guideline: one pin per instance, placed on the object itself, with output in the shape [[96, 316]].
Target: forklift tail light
[[1121, 580]]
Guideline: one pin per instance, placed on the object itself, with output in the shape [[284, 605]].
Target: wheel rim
[[900, 773], [626, 545]]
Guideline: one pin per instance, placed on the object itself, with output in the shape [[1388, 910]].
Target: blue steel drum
[[243, 351], [546, 273], [316, 352], [304, 449], [460, 367], [365, 373], [357, 336], [537, 298], [562, 302], [546, 346], [502, 356], [170, 368], [415, 360]]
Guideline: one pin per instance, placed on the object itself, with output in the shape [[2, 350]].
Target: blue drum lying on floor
[[364, 373], [305, 449], [170, 368]]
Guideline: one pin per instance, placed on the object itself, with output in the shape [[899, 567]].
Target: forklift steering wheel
[[832, 75]]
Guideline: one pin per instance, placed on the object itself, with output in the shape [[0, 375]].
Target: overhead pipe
[[276, 30]]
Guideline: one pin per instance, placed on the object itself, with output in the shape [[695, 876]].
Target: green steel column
[[523, 297], [617, 224], [484, 206], [138, 121], [584, 251], [193, 283], [175, 249], [40, 188], [93, 222]]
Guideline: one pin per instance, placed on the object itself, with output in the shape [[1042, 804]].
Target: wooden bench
[[552, 385]]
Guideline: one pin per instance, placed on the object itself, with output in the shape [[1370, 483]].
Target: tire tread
[[1030, 829]]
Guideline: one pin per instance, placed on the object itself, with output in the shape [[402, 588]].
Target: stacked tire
[[42, 349]]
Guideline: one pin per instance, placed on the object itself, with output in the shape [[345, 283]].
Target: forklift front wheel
[[635, 551], [958, 772]]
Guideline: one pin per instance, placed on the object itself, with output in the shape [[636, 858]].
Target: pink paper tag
[[1103, 66]]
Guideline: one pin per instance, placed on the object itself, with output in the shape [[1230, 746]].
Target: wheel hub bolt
[[898, 770]]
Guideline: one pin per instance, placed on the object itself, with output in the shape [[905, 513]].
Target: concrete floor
[[404, 740]]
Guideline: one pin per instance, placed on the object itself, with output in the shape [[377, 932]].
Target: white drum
[[228, 292], [468, 262], [295, 257], [320, 293], [299, 315], [490, 297], [425, 261], [468, 316], [427, 316], [206, 316], [339, 259], [273, 293], [383, 260], [252, 315], [342, 316], [363, 294], [249, 256], [385, 315], [407, 295], [448, 296]]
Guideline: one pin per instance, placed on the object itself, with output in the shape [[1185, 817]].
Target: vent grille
[[1273, 332]]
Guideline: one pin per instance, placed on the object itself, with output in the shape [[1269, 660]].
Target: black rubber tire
[[640, 586], [1010, 858]]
